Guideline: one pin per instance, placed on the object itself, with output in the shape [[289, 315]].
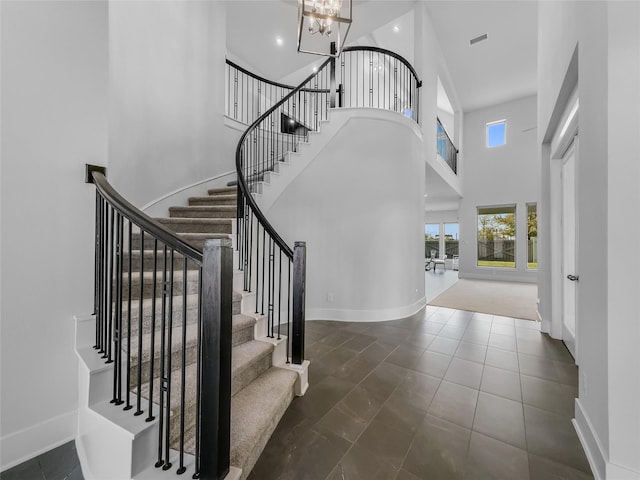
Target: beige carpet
[[517, 300]]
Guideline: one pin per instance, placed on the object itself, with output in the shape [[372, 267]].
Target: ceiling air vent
[[478, 39]]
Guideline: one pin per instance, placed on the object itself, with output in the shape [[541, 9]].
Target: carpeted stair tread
[[242, 332], [197, 225], [204, 211], [248, 361], [214, 200], [223, 191], [255, 413]]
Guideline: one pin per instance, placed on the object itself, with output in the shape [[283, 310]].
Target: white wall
[[505, 175], [358, 205], [606, 34], [166, 70], [441, 216], [54, 120]]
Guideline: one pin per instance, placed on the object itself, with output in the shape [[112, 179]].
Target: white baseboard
[[493, 275], [590, 442], [380, 315], [18, 447]]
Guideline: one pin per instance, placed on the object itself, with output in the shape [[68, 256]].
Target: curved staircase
[[263, 385]]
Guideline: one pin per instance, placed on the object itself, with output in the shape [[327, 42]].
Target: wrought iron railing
[[163, 319], [363, 77], [446, 148]]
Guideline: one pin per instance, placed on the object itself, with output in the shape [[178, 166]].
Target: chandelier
[[323, 26]]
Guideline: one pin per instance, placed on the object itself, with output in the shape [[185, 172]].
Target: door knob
[[573, 278]]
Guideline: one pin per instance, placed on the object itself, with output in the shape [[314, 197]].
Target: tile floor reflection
[[447, 395]]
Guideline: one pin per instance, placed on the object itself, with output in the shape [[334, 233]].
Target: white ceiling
[[501, 68], [496, 70]]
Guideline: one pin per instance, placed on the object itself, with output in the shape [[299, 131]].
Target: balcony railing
[[446, 148]]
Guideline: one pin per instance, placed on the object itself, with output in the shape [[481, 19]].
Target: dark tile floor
[[447, 395], [58, 464]]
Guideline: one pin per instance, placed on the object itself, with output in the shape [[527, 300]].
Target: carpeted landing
[[507, 299]]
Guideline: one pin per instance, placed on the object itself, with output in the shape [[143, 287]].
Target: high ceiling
[[496, 70]]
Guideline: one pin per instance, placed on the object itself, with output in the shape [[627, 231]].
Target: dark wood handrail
[[145, 222]]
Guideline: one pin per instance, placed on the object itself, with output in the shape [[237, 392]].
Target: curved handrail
[[145, 222], [389, 53], [246, 194], [258, 77]]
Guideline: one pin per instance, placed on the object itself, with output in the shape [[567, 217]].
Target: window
[[431, 238], [451, 236], [532, 235], [496, 133], [497, 236]]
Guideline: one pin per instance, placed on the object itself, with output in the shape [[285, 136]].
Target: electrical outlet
[[583, 384], [330, 297]]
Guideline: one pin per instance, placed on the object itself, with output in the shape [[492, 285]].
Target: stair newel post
[[299, 286], [332, 77], [215, 416]]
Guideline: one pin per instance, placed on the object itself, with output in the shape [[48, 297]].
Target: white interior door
[[569, 264]]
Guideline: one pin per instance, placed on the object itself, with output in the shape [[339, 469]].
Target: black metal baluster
[[264, 252], [117, 372], [152, 352], [108, 352], [140, 315], [163, 381], [167, 464], [183, 366], [199, 377], [269, 293], [257, 263], [128, 405], [288, 307], [279, 292]]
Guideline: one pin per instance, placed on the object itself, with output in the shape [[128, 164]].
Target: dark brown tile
[[388, 444], [359, 342], [464, 372], [419, 340], [329, 362], [503, 383], [566, 373], [312, 456], [321, 397], [454, 403], [548, 395], [316, 350], [384, 379], [545, 469], [405, 356], [490, 459], [500, 418], [537, 367], [342, 421], [361, 464], [438, 451], [398, 412], [418, 390], [337, 338], [363, 404], [552, 436], [432, 363], [405, 475]]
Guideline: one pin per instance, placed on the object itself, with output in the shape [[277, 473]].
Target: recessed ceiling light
[[477, 39], [396, 28], [315, 68], [279, 41]]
